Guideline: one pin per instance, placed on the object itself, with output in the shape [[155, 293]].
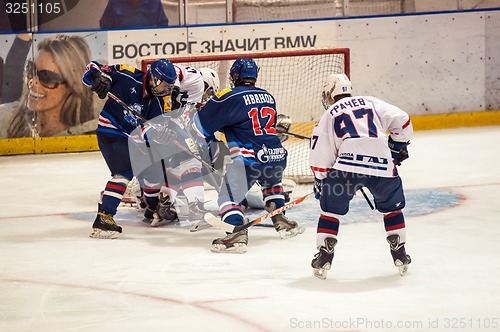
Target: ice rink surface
[[53, 277]]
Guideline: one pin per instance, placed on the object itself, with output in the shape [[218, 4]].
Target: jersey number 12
[[257, 116]]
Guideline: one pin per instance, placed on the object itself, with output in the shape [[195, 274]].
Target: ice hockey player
[[211, 82], [350, 150], [247, 116], [254, 198], [183, 169], [143, 92]]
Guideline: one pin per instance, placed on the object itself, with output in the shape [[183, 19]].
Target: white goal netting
[[295, 78]]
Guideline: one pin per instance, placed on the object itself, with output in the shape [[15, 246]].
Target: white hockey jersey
[[352, 136], [189, 80]]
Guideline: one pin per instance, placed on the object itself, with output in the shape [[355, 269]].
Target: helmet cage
[[207, 93], [161, 88], [326, 99]]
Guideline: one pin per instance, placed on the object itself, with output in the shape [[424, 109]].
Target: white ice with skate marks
[[53, 277], [418, 202]]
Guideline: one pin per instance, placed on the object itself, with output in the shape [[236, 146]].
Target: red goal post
[[294, 77]]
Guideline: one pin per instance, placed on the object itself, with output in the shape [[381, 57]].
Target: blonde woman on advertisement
[[54, 101]]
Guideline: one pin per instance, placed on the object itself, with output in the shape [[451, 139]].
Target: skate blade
[[321, 273], [286, 234], [198, 226], [238, 248], [102, 234], [403, 268], [160, 222]]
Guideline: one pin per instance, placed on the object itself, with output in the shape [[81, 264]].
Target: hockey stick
[[366, 198], [177, 143], [146, 140], [217, 221], [296, 135], [122, 104]]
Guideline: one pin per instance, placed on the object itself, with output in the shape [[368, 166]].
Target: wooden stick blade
[[217, 222]]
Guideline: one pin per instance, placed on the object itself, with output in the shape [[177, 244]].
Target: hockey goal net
[[294, 77]]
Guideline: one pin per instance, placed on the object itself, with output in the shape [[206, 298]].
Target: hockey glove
[[283, 125], [179, 99], [101, 84], [165, 136], [399, 151], [318, 188]]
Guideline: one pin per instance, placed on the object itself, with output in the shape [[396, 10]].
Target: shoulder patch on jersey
[[125, 67], [223, 92], [167, 104]]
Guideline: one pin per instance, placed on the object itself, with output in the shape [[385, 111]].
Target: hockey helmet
[[335, 84], [241, 69], [163, 75], [212, 83]]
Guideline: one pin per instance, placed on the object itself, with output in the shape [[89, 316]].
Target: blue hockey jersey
[[247, 117], [128, 84]]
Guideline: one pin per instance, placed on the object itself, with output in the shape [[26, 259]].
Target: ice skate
[[105, 227], [322, 261], [196, 213], [398, 252], [165, 212], [148, 215], [160, 221], [285, 227], [232, 243]]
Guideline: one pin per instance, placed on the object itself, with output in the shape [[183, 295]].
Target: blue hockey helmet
[[243, 68], [163, 75]]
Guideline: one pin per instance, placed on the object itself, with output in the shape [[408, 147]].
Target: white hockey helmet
[[335, 84], [212, 83]]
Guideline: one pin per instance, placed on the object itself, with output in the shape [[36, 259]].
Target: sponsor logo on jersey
[[131, 117], [365, 161], [372, 159], [346, 155], [266, 154]]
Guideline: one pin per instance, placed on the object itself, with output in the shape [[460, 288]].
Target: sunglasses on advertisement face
[[48, 79]]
